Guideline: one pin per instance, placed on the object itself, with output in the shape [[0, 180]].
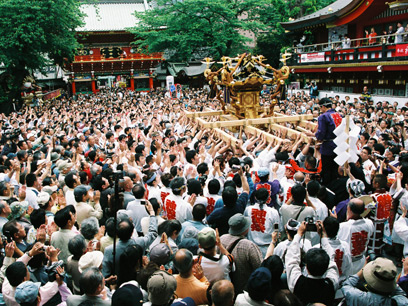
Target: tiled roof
[[110, 16], [323, 14]]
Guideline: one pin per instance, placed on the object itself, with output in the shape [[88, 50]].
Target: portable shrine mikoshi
[[237, 86]]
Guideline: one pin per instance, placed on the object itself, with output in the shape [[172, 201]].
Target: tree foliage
[[205, 27], [272, 42], [216, 27], [36, 33]]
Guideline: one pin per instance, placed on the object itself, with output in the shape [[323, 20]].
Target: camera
[[276, 227], [310, 224], [52, 270], [380, 157], [5, 240], [371, 255]]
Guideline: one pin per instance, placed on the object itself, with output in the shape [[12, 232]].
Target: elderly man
[[247, 255], [125, 231], [191, 281], [356, 231], [64, 167], [4, 213], [92, 284], [127, 191], [222, 293], [87, 206], [380, 289]]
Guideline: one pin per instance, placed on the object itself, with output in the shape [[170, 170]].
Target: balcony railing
[[378, 48], [354, 43]]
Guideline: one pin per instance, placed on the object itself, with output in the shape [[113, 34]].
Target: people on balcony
[[371, 36], [398, 33], [346, 42], [390, 32], [405, 37]]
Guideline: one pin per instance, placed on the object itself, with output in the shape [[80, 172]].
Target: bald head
[[299, 177], [183, 261], [127, 184], [222, 293], [355, 208]]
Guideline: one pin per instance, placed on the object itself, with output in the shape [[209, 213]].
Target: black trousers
[[329, 169]]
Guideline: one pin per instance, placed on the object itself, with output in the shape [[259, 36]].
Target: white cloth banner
[[312, 57], [346, 149]]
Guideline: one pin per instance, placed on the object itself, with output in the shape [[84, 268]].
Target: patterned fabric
[[247, 258]]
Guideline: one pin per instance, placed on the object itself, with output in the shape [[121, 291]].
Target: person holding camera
[[320, 284], [280, 249], [341, 249], [87, 204], [17, 276], [295, 208], [313, 90], [379, 285]]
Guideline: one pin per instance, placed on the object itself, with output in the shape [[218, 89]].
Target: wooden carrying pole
[[247, 122], [248, 125]]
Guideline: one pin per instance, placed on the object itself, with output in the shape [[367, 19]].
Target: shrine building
[[108, 57], [351, 44]]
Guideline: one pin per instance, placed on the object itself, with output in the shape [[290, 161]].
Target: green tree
[[199, 27], [276, 39], [34, 34]]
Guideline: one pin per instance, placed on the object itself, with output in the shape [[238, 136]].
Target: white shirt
[[401, 229], [31, 197], [262, 223], [282, 247], [322, 211], [146, 221], [217, 270], [357, 234], [398, 36], [342, 257], [164, 192], [69, 197], [176, 208], [286, 187], [154, 192], [211, 200], [136, 211], [294, 271], [244, 299]]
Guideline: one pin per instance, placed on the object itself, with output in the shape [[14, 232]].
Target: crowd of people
[[119, 198]]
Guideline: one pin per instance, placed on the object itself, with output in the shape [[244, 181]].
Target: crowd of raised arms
[[200, 219]]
